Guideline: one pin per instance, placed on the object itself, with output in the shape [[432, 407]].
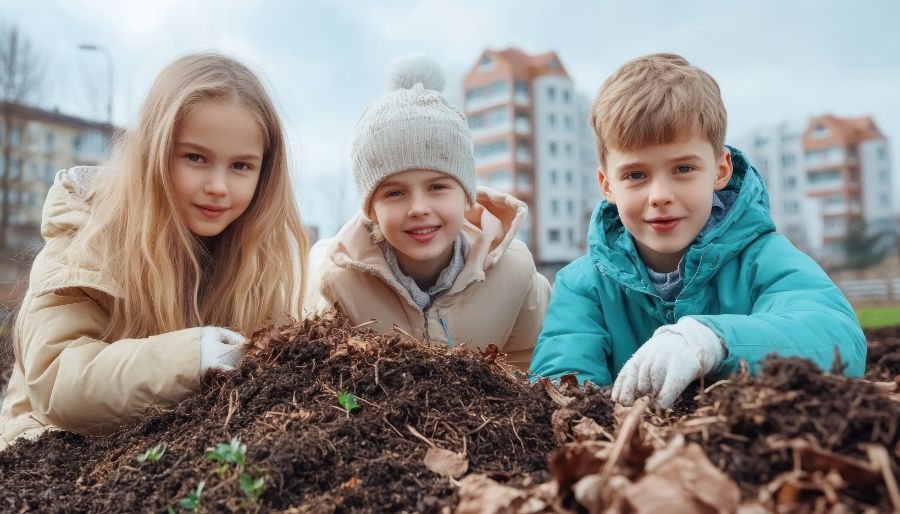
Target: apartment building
[[533, 141], [42, 142], [821, 176]]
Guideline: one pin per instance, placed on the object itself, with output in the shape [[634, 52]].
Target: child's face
[[664, 194], [420, 213], [216, 165]]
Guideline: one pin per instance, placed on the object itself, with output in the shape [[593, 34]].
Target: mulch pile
[[442, 430]]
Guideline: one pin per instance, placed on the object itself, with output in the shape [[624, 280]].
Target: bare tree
[[20, 77]]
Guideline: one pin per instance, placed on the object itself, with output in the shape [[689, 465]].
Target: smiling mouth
[[423, 231], [664, 225]]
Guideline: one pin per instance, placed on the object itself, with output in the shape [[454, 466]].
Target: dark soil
[[283, 405], [792, 399], [883, 360]]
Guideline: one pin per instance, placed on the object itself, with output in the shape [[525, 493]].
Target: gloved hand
[[220, 348], [668, 362]]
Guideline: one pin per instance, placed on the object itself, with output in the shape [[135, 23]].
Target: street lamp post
[[109, 68]]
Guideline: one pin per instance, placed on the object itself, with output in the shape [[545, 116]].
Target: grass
[[878, 317]]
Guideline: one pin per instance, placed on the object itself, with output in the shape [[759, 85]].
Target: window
[[486, 63], [568, 122], [551, 93], [32, 170], [497, 89], [475, 94], [523, 181], [500, 180], [551, 120], [885, 200], [826, 176], [49, 141], [571, 234], [567, 96], [570, 207], [476, 121], [791, 207], [790, 183], [820, 131], [553, 149], [568, 149], [521, 87], [553, 235], [15, 137], [490, 149], [497, 116], [568, 178], [48, 173], [834, 200], [554, 207], [788, 160], [553, 177]]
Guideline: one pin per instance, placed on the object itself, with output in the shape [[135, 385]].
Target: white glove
[[668, 362], [220, 348]]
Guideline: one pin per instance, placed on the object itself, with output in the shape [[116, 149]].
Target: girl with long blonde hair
[[156, 263]]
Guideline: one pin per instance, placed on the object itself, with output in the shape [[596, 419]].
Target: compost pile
[[326, 417]]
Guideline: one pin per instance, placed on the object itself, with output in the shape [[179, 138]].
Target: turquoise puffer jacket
[[748, 284]]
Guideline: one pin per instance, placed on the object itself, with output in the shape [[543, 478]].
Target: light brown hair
[[253, 273], [657, 99]]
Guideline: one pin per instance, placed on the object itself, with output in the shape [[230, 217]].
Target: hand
[[220, 348], [668, 362]]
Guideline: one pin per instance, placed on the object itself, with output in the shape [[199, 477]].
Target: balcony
[[491, 130], [480, 104], [523, 127], [521, 98]]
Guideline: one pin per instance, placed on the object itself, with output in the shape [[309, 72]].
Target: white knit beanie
[[412, 127]]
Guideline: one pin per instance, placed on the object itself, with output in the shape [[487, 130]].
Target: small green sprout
[[228, 453], [192, 501], [253, 487], [153, 454], [347, 401]]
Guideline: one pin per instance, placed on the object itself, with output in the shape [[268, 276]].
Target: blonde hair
[[251, 274], [655, 99]]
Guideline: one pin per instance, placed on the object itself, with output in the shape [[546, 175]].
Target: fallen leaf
[[587, 428], [490, 353], [554, 394], [479, 494], [685, 483], [446, 463]]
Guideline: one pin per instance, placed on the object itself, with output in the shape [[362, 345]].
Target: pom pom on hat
[[409, 70]]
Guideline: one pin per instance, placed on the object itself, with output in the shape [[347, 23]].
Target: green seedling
[[153, 454], [347, 401], [228, 453], [253, 487], [192, 501]]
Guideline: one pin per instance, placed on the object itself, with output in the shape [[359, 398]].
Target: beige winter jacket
[[64, 375], [499, 297]]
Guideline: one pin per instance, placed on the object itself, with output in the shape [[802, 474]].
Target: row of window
[[495, 90], [567, 121], [553, 235]]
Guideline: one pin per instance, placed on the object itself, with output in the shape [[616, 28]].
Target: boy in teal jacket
[[685, 275]]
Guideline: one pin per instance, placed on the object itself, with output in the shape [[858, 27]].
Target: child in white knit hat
[[429, 252]]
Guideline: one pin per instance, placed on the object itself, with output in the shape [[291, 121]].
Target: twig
[[232, 406], [625, 433], [511, 422], [414, 432], [879, 455]]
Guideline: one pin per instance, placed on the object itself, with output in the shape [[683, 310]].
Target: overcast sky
[[775, 60]]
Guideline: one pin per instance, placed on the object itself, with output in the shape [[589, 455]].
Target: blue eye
[[684, 169], [635, 175], [194, 157], [243, 166], [392, 194]]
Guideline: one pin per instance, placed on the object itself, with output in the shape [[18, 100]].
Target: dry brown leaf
[[569, 381], [479, 494], [491, 352], [685, 483], [587, 428], [574, 461], [554, 394], [446, 463]]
